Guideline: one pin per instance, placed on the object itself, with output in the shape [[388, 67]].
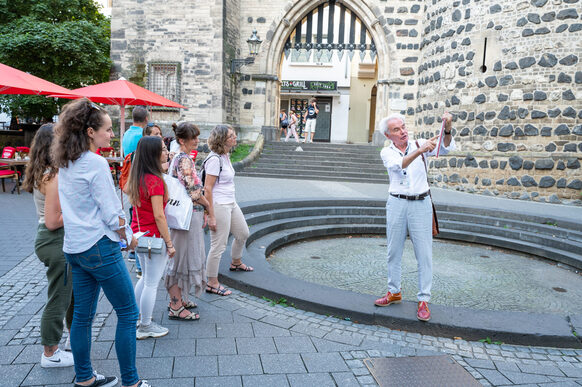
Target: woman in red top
[[148, 194]]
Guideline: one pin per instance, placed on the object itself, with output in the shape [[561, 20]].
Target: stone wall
[[509, 71], [516, 97]]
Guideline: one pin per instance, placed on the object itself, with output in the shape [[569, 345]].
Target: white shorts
[[310, 125]]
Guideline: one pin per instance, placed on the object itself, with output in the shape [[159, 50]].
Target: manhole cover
[[419, 371], [560, 290]]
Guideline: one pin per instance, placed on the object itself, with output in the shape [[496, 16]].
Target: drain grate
[[419, 371]]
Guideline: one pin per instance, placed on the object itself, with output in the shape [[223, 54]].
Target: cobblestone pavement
[[242, 340]]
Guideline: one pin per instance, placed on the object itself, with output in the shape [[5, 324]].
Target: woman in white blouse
[[94, 224]]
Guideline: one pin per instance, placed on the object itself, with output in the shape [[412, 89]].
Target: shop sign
[[309, 85]]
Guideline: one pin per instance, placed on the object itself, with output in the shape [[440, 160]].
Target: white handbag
[[179, 207]]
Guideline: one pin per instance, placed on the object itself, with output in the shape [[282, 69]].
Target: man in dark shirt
[[310, 120]]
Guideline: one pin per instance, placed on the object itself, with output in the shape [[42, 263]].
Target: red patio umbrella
[[14, 81], [120, 92]]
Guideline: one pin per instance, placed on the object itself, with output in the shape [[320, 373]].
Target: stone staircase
[[319, 161]]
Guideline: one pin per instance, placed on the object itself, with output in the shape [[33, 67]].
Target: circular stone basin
[[464, 275]]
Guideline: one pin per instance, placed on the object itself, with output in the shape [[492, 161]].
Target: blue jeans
[[414, 217], [99, 267]]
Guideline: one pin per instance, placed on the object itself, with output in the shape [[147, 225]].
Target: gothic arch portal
[[294, 12]]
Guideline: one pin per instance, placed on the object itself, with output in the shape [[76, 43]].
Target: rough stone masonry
[[510, 72]]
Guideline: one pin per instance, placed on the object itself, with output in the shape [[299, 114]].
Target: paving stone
[[14, 375], [266, 330], [195, 330], [219, 381], [324, 362], [330, 346], [351, 339], [494, 377], [571, 371], [256, 345], [173, 382], [281, 323], [221, 346], [294, 345], [155, 367], [10, 352], [264, 381], [175, 347], [195, 366], [239, 365], [540, 369], [345, 379], [523, 378], [234, 330], [314, 379], [282, 363]]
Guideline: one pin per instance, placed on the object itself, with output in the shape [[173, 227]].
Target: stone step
[[320, 167], [285, 174], [324, 146], [339, 157]]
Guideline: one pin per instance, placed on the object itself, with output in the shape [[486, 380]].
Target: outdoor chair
[[7, 153], [9, 174]]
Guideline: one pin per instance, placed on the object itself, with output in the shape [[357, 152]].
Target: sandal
[[187, 305], [220, 290], [175, 315], [238, 267]]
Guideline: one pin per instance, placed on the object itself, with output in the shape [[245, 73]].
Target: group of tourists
[[83, 229], [289, 122]]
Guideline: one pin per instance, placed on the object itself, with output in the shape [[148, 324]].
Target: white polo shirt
[[411, 180]]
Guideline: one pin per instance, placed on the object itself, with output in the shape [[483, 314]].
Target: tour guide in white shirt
[[409, 206]]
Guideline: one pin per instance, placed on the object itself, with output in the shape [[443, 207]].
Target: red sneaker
[[423, 313], [388, 299]]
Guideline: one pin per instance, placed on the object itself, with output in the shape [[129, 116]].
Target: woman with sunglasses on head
[[224, 216], [41, 179], [94, 224], [148, 195], [189, 265]]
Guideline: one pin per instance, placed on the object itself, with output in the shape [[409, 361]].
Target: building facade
[[510, 72]]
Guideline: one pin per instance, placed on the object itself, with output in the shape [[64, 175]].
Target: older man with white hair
[[409, 206]]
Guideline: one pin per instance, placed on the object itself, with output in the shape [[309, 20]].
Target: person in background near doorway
[[283, 122], [292, 126], [94, 226], [409, 206], [310, 120], [41, 179]]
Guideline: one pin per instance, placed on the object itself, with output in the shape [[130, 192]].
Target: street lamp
[[254, 43]]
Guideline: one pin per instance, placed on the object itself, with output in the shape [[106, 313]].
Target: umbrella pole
[[121, 129]]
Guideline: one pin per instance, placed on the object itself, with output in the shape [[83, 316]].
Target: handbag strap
[[425, 167]]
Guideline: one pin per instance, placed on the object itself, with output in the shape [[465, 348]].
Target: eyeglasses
[[150, 124], [92, 106]]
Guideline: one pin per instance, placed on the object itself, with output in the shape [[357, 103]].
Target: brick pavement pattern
[[243, 340]]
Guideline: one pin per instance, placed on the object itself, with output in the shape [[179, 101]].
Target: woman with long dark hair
[[225, 216], [41, 179], [94, 225], [148, 195], [188, 268]]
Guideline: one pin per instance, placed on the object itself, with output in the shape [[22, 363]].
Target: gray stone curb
[[251, 157]]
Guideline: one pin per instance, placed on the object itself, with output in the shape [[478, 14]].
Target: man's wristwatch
[[449, 132]]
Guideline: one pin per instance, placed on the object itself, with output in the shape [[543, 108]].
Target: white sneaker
[[58, 359], [151, 330]]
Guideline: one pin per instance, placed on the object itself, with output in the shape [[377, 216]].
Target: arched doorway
[[280, 35], [330, 56]]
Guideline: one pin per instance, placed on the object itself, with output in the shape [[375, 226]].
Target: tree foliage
[[62, 41]]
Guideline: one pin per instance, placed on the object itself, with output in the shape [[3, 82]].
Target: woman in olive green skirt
[[41, 180]]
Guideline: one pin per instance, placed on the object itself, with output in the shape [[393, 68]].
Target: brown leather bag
[[435, 221]]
